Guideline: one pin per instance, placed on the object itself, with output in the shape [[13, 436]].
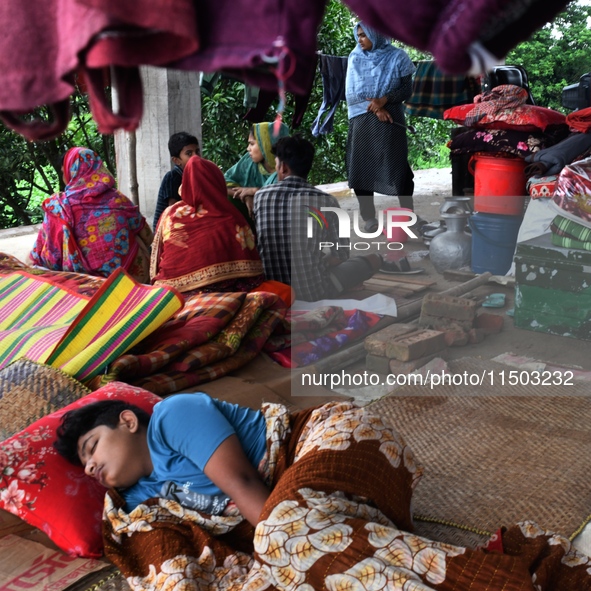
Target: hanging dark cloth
[[258, 114], [333, 70], [552, 160]]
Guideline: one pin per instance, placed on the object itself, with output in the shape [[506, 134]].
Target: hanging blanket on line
[[81, 335], [326, 525], [212, 335]]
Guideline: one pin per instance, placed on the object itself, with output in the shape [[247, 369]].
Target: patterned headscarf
[[266, 138], [226, 245], [90, 227], [85, 172]]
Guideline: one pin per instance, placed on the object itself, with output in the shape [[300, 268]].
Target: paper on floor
[[378, 304]]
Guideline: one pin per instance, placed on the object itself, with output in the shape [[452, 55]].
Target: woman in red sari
[[203, 242]]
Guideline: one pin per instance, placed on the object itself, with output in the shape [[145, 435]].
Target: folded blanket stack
[[570, 234], [500, 122], [544, 166]]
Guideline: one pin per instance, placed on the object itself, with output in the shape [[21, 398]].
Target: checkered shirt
[[281, 213]]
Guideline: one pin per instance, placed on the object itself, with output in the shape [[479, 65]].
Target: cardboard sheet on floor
[[25, 564]]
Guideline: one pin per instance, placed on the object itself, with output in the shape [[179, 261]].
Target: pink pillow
[[46, 491], [522, 118]]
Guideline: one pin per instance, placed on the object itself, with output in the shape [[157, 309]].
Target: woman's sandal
[[371, 225], [400, 267]]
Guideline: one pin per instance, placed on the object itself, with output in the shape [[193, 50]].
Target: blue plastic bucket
[[493, 241]]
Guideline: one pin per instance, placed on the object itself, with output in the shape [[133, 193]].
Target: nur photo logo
[[388, 220]]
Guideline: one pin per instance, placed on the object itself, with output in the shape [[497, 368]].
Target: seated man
[[292, 243]]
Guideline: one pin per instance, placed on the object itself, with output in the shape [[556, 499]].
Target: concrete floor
[[18, 241]]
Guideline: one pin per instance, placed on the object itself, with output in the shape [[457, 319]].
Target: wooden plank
[[393, 291], [404, 279], [378, 283], [398, 292], [457, 275]]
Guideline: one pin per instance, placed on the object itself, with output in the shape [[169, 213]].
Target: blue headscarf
[[374, 73]]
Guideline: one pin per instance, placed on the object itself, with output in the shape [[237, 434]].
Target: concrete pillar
[[172, 103]]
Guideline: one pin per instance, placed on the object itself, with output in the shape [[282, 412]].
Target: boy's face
[[115, 457], [186, 153]]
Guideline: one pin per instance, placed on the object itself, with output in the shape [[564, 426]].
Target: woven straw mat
[[107, 579], [30, 390], [493, 456]]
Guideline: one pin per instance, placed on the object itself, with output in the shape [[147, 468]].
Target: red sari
[[203, 241]]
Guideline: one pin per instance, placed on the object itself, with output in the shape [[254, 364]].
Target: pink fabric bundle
[[44, 43]]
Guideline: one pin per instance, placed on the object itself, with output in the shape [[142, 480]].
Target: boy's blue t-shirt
[[183, 433]]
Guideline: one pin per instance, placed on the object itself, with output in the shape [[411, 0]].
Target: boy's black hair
[[80, 421], [178, 141], [297, 152]]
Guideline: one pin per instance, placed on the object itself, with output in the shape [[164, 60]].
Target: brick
[[417, 344], [404, 367], [375, 344], [377, 364], [435, 366], [435, 304], [476, 335], [456, 338], [490, 323], [443, 323]]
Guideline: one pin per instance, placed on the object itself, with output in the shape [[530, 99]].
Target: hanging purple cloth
[[449, 28], [45, 43], [246, 38]]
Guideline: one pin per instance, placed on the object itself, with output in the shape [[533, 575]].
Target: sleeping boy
[[194, 449]]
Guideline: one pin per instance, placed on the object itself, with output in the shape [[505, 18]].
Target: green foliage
[[31, 171], [224, 131], [427, 147], [556, 55]]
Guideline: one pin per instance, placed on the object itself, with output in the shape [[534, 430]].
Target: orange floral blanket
[[339, 517]]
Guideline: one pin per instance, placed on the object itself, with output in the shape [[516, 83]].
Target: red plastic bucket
[[499, 184], [396, 214]]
